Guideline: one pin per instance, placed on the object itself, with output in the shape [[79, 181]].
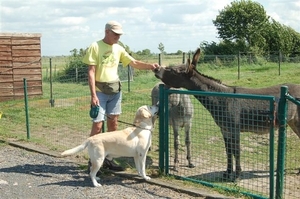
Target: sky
[[178, 24]]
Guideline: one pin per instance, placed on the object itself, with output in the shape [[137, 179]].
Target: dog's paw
[[97, 185], [147, 178]]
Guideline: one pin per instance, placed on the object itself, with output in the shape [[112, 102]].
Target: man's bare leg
[[96, 128], [112, 122]]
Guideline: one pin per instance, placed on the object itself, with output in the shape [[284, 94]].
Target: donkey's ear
[[188, 62], [196, 57], [188, 66]]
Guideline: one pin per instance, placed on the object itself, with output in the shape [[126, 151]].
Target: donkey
[[181, 114], [232, 115]]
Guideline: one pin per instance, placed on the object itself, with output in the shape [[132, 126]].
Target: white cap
[[114, 26]]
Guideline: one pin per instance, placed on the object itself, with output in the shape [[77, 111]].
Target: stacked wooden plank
[[20, 57]]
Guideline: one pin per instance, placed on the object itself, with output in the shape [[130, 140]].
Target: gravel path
[[26, 174]]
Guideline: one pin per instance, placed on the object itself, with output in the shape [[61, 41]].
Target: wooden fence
[[20, 57]]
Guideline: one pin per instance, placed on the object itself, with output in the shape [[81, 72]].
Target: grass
[[255, 76], [67, 123]]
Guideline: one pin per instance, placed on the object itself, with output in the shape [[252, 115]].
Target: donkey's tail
[[76, 149]]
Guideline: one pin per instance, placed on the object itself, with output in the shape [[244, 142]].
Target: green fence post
[[51, 88], [160, 58], [282, 115], [272, 150], [26, 108], [166, 129], [161, 128]]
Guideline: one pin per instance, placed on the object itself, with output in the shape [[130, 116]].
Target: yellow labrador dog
[[130, 142]]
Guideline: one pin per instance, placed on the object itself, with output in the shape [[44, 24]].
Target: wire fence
[[211, 164], [260, 159], [56, 66], [60, 120]]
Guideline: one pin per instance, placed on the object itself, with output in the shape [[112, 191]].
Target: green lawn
[[72, 99], [67, 123]]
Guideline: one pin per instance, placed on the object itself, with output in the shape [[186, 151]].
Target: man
[[102, 58]]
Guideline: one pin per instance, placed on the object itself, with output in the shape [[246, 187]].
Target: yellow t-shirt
[[106, 58]]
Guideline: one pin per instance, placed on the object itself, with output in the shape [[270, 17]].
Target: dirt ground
[[252, 178], [25, 173]]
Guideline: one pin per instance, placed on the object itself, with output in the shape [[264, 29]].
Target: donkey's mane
[[211, 78], [217, 81]]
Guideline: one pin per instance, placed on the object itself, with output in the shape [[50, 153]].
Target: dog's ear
[[145, 113], [141, 114], [138, 117]]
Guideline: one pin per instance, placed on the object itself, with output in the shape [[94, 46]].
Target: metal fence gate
[[260, 178]]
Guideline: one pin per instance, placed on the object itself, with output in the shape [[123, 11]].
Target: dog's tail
[[75, 149]]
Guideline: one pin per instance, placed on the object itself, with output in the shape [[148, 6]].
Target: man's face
[[113, 37]]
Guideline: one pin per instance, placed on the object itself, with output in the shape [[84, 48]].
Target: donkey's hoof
[[237, 177], [175, 168], [191, 165], [226, 176]]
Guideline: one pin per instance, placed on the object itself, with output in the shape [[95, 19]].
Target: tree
[[82, 52], [78, 53], [161, 47], [74, 52], [296, 41], [144, 52], [179, 52], [242, 21], [282, 38], [225, 47]]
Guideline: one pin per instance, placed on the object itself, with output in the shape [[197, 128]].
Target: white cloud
[[69, 21], [285, 12], [178, 24]]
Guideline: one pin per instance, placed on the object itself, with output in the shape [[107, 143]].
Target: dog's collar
[[145, 128], [151, 128]]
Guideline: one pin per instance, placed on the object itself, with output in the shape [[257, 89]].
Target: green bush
[[75, 71]]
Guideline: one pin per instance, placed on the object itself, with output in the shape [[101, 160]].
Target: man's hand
[[155, 66], [95, 101]]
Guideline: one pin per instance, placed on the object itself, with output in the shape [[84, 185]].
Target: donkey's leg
[[176, 145], [294, 121], [187, 129], [237, 154], [228, 148]]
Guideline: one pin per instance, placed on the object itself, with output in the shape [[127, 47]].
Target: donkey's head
[[178, 76]]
